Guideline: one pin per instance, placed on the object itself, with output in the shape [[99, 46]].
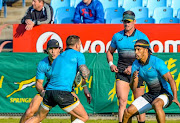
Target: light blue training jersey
[[125, 46], [64, 69], [43, 69], [152, 72]]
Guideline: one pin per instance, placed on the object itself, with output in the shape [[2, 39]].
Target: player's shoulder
[[139, 32], [44, 61], [119, 34], [155, 60]]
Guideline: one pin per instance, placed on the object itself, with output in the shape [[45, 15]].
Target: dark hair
[[41, 0], [142, 41], [129, 13], [72, 40]]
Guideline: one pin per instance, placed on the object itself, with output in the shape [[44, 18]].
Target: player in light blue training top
[[43, 70], [161, 85], [124, 42], [58, 90]]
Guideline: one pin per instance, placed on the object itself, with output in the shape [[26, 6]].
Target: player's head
[[53, 49], [142, 49], [128, 20], [73, 42], [37, 4]]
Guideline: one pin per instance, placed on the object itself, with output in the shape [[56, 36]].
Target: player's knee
[[122, 102], [157, 106], [127, 113]]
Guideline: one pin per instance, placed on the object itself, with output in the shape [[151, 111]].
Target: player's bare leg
[[33, 108], [72, 116], [42, 113], [157, 105], [122, 90], [129, 112], [80, 113], [139, 92]]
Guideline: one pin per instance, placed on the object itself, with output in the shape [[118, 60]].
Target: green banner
[[17, 82]]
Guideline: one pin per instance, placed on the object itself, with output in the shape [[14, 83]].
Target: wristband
[[110, 63]]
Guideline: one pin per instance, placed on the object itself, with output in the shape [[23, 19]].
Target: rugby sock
[[141, 122], [120, 122], [77, 121]]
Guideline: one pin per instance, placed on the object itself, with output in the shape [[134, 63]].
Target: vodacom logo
[[45, 37]]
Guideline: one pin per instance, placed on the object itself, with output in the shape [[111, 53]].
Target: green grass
[[16, 120]]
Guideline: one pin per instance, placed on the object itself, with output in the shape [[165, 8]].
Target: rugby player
[[58, 90], [43, 70], [124, 42], [161, 85]]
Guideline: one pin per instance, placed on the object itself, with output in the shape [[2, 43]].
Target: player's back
[[64, 69]]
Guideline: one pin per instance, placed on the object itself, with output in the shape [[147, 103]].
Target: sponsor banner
[[17, 82], [95, 38]]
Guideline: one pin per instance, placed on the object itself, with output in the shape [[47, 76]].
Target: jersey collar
[[131, 34]]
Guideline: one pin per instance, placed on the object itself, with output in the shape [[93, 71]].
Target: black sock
[[120, 122], [141, 122]]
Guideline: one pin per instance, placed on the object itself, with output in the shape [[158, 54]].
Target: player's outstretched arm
[[168, 77]]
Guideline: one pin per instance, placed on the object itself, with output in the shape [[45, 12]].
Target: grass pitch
[[16, 120]]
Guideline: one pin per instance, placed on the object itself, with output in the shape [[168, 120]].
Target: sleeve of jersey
[[40, 71], [81, 59], [113, 42], [134, 68], [77, 15], [99, 13], [161, 67]]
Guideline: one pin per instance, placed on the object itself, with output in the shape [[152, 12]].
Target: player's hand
[[175, 100], [114, 68], [128, 70], [135, 74], [88, 95]]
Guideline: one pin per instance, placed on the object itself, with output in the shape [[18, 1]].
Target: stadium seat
[[76, 2], [145, 3], [175, 5], [145, 20], [128, 4], [1, 4], [178, 13], [169, 20], [120, 3], [116, 21], [140, 12], [169, 2], [111, 13], [152, 4], [62, 13], [162, 12], [59, 3], [109, 4], [68, 20]]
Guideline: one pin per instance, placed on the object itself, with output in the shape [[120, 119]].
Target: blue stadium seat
[[116, 21], [178, 13], [175, 5], [111, 13], [169, 2], [152, 4], [162, 12], [169, 20], [145, 20], [128, 4], [1, 2], [140, 12], [76, 2], [68, 20], [145, 3], [120, 3], [63, 12], [59, 3], [109, 4]]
